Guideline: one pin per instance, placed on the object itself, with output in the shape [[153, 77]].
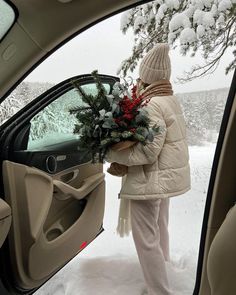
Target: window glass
[[7, 17], [55, 124]]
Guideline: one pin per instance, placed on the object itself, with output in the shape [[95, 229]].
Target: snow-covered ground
[[110, 266]]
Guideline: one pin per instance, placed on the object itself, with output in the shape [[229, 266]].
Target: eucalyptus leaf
[[150, 137], [117, 110], [126, 134], [109, 124], [143, 112], [139, 137], [102, 114], [108, 115], [110, 98], [114, 107], [115, 134]]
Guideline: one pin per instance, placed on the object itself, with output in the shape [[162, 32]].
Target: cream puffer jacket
[[159, 169]]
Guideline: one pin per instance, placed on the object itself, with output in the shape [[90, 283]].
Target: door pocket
[[64, 191], [46, 232], [57, 225]]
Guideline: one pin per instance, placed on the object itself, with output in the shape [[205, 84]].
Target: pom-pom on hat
[[156, 64]]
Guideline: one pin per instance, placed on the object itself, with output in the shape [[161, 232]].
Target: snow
[[208, 3], [198, 16], [187, 36], [110, 265], [214, 10], [163, 8], [139, 22], [208, 19], [221, 19], [172, 4], [171, 38], [179, 20], [204, 18], [200, 31], [224, 5], [125, 19]]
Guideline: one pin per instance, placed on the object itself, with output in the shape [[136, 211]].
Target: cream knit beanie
[[156, 64]]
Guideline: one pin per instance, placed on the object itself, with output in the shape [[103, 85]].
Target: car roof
[[41, 27]]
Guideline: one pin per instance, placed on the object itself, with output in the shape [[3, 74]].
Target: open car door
[[51, 190]]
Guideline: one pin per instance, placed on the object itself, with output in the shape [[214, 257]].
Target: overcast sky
[[103, 47]]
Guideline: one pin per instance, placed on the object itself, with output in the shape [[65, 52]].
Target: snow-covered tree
[[203, 111], [24, 93], [9, 107], [55, 118], [218, 113], [208, 26]]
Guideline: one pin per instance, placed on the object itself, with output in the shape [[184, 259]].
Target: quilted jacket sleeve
[[140, 154]]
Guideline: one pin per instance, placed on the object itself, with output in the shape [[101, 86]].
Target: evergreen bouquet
[[117, 120]]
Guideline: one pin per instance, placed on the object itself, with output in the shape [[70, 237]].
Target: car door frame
[[203, 252], [17, 122]]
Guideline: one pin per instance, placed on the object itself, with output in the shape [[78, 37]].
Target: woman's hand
[[117, 169]]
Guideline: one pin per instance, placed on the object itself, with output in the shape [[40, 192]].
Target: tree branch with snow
[[206, 26]]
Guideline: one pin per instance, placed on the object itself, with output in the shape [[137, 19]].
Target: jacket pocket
[[136, 174]]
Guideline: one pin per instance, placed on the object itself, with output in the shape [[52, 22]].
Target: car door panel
[[56, 159], [52, 230], [220, 198], [56, 194]]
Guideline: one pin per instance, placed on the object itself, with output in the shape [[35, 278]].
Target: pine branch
[[216, 39], [87, 98], [78, 109], [210, 66]]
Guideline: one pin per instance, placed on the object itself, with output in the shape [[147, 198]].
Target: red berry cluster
[[129, 106], [129, 109]]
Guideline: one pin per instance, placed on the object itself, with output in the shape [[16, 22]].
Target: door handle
[[69, 177], [89, 184]]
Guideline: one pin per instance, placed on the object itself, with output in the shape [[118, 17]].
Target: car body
[[52, 196]]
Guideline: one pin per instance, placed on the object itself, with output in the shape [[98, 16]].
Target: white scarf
[[124, 221]]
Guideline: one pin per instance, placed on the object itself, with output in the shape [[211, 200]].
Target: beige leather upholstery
[[49, 227], [223, 198], [67, 191], [5, 220], [221, 266]]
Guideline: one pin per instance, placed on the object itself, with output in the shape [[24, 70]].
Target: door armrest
[[5, 209], [89, 184]]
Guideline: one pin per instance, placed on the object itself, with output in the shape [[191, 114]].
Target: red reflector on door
[[83, 245]]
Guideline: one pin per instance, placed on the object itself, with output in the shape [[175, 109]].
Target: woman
[[156, 171]]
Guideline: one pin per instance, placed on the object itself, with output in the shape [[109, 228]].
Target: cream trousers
[[149, 221]]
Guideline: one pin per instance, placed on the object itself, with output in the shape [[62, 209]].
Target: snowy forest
[[203, 110]]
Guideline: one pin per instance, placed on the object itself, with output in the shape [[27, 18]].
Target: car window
[[7, 17], [55, 124]]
